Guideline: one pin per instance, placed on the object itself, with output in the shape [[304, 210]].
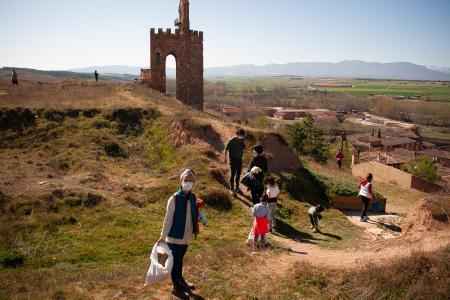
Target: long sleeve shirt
[[168, 221]]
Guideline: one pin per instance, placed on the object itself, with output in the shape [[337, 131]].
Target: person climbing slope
[[235, 150]]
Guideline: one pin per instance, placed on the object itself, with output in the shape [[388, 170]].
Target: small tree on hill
[[306, 139], [425, 168]]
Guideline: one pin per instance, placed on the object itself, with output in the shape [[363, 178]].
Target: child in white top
[[272, 192]]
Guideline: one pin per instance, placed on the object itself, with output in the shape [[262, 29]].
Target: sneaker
[[315, 230], [363, 220], [366, 218], [232, 193], [179, 293]]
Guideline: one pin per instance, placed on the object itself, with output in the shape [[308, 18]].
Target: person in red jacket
[[366, 193], [339, 158]]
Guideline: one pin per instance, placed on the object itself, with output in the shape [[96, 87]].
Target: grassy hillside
[[83, 190]]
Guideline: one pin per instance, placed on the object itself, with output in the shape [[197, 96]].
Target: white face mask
[[240, 137], [187, 186]]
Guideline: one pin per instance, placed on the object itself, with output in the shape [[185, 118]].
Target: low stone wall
[[425, 186], [383, 173], [355, 203]]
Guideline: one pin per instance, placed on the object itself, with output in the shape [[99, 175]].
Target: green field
[[439, 91], [428, 92]]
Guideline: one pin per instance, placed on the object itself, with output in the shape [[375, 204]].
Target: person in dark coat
[[260, 161], [96, 75], [234, 150], [15, 79]]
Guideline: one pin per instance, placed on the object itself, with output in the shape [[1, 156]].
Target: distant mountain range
[[347, 68]]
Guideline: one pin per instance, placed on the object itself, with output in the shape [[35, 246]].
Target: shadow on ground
[[287, 231]]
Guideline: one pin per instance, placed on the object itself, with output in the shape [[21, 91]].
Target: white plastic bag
[[158, 272]]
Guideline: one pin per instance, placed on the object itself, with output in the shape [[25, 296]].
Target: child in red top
[[261, 212]]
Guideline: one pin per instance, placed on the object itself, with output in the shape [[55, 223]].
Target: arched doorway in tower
[[171, 75]]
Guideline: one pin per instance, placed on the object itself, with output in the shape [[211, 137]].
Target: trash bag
[[157, 271]]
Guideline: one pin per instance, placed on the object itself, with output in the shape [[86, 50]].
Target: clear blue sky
[[61, 34]]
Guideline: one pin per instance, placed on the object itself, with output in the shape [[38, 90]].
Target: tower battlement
[[176, 33]]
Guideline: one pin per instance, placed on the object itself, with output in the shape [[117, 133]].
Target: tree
[[425, 168], [306, 139]]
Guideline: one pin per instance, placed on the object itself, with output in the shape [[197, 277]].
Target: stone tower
[[186, 46]]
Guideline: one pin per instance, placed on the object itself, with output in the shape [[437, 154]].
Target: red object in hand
[[200, 203]]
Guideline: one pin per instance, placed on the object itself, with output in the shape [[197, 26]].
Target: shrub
[[92, 200], [114, 150], [217, 199], [54, 224], [425, 168], [11, 259], [135, 202], [306, 139], [73, 201]]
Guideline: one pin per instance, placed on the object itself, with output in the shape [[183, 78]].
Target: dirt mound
[[280, 157], [16, 119], [187, 131], [430, 214]]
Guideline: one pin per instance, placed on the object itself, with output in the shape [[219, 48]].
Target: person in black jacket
[[260, 161]]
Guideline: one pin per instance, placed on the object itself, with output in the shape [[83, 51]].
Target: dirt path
[[352, 258], [368, 252]]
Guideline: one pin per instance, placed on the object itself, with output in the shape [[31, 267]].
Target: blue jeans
[[178, 252]]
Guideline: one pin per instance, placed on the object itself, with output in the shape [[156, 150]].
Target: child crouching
[[315, 216], [261, 224]]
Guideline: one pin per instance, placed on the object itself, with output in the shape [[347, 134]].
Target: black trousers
[[313, 219], [236, 169], [178, 252], [365, 202], [256, 196]]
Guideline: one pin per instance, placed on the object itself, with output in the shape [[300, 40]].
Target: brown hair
[[265, 198]]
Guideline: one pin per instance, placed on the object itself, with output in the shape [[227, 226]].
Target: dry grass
[[77, 251]]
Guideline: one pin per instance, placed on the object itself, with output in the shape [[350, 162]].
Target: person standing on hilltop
[[235, 148], [15, 79], [96, 76], [180, 223], [366, 193], [260, 161]]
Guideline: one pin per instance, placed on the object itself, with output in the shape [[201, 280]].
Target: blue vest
[[179, 216]]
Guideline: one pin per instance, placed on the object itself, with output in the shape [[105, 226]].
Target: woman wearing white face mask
[[180, 223]]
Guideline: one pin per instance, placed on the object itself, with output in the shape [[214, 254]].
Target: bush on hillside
[[115, 150], [217, 199], [304, 186], [306, 139], [11, 259], [424, 168]]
